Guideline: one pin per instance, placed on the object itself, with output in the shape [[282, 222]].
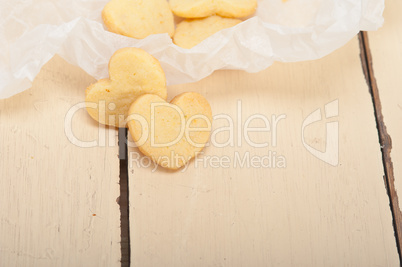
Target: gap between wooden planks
[[384, 61], [384, 138], [307, 214]]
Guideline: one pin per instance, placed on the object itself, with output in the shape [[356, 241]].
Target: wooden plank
[[57, 200], [306, 213], [385, 61]]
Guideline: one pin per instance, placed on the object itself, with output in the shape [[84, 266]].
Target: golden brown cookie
[[133, 72], [170, 133], [138, 18], [205, 8], [190, 32]]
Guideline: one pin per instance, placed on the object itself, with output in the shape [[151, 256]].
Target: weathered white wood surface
[[386, 51], [57, 200], [306, 214]]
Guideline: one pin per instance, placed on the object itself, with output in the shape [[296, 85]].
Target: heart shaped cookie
[[205, 8], [133, 72], [190, 32], [138, 18], [170, 133]]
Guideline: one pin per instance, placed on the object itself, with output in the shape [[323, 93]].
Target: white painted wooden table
[[59, 202]]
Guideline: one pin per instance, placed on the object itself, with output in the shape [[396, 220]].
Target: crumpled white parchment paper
[[33, 31]]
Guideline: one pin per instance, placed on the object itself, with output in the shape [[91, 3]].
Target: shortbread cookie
[[133, 72], [205, 8], [138, 18], [170, 134], [190, 32]]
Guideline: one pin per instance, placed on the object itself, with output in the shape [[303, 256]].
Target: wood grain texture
[[385, 61], [57, 200], [307, 213]]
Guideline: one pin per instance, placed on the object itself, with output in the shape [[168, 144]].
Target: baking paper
[[33, 31]]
